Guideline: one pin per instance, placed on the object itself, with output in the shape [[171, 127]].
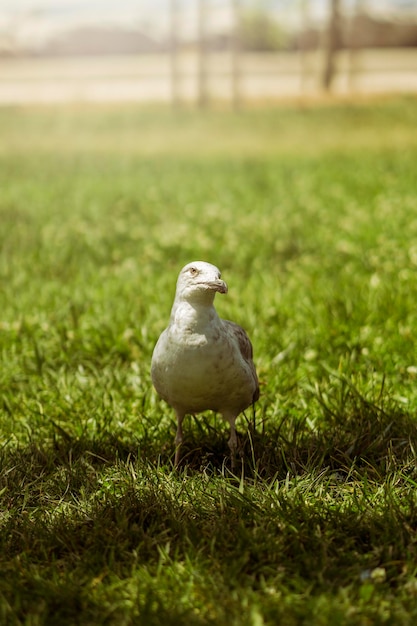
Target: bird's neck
[[193, 316]]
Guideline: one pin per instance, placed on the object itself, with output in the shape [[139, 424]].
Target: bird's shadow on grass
[[109, 502], [74, 504], [366, 440], [93, 505]]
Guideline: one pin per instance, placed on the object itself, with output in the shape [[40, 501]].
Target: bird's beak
[[218, 285]]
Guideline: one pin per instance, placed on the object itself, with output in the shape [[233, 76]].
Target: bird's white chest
[[192, 369], [184, 354]]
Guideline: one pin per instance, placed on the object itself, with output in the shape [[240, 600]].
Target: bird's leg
[[232, 440], [178, 437]]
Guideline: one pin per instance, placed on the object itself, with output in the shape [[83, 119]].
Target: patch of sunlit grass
[[310, 216]]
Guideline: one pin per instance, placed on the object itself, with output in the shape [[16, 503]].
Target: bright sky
[[83, 10], [131, 9], [35, 20]]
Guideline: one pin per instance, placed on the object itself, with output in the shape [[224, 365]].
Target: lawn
[[310, 212]]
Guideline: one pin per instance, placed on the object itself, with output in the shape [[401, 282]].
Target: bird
[[200, 361]]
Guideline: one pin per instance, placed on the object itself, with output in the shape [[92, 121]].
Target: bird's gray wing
[[246, 349], [242, 339]]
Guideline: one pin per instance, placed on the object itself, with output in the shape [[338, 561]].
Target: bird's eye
[[193, 271]]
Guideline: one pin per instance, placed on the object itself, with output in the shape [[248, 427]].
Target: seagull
[[202, 362]]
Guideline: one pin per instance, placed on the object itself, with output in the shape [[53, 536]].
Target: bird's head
[[199, 281]]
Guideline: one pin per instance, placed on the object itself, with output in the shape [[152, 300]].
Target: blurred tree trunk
[[202, 55], [304, 47], [174, 61], [236, 52], [355, 45], [332, 40]]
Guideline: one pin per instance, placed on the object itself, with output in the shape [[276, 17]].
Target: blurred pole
[[202, 54], [174, 60], [304, 45], [236, 56], [355, 44], [331, 44]]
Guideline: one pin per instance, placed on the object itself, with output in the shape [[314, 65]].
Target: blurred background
[[201, 52]]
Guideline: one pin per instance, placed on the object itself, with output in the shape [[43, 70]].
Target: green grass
[[311, 214]]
